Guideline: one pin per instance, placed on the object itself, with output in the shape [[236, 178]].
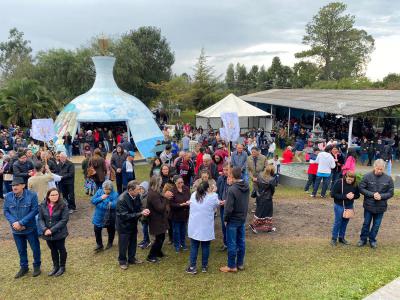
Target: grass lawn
[[277, 267]]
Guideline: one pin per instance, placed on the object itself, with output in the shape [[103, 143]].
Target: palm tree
[[22, 100]]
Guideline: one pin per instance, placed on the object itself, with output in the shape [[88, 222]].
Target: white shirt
[[272, 148], [201, 217], [325, 162]]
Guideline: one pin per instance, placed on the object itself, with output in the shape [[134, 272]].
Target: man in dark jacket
[[118, 158], [66, 170], [235, 213], [377, 189], [129, 210], [22, 167], [20, 209]]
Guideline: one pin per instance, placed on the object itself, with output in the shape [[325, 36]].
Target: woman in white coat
[[203, 203]]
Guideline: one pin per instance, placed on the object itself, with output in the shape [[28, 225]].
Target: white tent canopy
[[249, 115]]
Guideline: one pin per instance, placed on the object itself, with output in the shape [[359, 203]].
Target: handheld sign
[[43, 130], [231, 130]]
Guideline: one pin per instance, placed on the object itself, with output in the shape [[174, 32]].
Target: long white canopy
[[231, 103]]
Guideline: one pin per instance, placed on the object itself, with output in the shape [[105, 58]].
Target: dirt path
[[294, 218]]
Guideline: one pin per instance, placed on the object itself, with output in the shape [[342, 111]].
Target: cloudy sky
[[250, 32]]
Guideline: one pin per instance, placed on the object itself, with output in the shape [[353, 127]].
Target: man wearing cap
[[166, 155], [22, 167], [20, 208]]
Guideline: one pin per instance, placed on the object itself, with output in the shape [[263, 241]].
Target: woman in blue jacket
[[105, 201]]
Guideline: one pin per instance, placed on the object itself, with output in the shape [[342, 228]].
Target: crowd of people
[[193, 177]]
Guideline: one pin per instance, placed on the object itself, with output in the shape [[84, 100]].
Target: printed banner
[[43, 130], [231, 129]]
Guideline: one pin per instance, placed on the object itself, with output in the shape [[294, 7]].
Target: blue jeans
[[68, 148], [310, 181], [235, 238], [179, 232], [367, 231], [223, 227], [21, 243], [325, 184], [340, 223], [145, 230], [205, 252], [245, 176]]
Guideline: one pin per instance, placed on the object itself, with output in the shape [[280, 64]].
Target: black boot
[[22, 272], [54, 271], [98, 248], [60, 271], [333, 242], [36, 271], [343, 241]]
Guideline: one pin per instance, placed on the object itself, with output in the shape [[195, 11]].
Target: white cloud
[[385, 58]]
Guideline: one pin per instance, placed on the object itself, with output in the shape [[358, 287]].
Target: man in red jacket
[[312, 170]]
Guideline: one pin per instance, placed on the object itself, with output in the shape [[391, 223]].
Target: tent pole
[[350, 130], [288, 124], [128, 131], [313, 122]]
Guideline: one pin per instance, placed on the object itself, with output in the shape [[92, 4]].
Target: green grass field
[[276, 268]]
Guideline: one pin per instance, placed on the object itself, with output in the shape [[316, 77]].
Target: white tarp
[[249, 115], [231, 103]]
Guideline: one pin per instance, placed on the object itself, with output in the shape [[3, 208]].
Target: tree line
[[33, 86]]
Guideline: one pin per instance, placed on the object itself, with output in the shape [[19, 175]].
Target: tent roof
[[344, 102], [231, 103]]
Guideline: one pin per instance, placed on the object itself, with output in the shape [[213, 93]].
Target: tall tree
[[156, 58], [305, 74], [252, 77], [230, 77], [14, 53], [241, 79], [279, 74], [67, 73], [341, 50], [262, 79], [22, 100], [204, 82]]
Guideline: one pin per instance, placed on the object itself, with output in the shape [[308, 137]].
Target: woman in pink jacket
[[350, 164]]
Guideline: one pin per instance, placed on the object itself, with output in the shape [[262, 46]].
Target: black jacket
[[265, 188], [118, 160], [371, 184], [22, 169], [57, 223], [340, 191], [67, 171], [128, 211], [237, 203], [158, 218]]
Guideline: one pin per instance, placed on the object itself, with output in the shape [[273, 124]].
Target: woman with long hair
[[344, 192], [179, 212], [53, 219], [156, 167], [203, 203], [158, 218], [265, 188], [98, 163]]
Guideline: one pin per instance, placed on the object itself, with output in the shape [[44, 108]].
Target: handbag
[[112, 174], [91, 171], [109, 216], [348, 213]]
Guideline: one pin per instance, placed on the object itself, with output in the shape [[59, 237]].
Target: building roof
[[343, 102], [232, 103]]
